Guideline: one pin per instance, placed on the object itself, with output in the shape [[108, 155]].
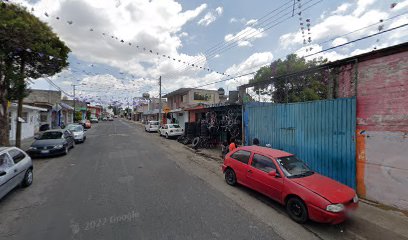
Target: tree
[[295, 88], [28, 49], [78, 116]]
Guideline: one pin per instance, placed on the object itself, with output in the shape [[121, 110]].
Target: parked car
[[110, 118], [104, 119], [94, 120], [78, 132], [51, 143], [171, 130], [288, 180], [87, 124], [152, 126], [16, 168]]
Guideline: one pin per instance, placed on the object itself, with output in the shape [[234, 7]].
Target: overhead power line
[[359, 39], [254, 33]]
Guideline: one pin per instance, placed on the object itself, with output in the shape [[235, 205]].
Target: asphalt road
[[122, 184]]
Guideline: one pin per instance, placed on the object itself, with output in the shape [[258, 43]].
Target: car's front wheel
[[28, 178], [297, 210], [230, 177]]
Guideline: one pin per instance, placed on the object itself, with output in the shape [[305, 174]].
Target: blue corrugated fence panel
[[322, 133]]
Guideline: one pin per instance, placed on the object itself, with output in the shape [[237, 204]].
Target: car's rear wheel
[[230, 177], [28, 178], [297, 210]]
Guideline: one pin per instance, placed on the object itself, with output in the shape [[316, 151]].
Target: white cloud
[[339, 41], [362, 6], [252, 63], [183, 34], [210, 17], [155, 25], [342, 8], [207, 19], [251, 21], [233, 20], [336, 25], [217, 55], [219, 10], [244, 37]]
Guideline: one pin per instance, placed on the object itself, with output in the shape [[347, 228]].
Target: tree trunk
[[20, 102], [4, 121]]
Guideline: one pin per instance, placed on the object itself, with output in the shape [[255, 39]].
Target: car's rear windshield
[[174, 126], [75, 128], [294, 167], [51, 135]]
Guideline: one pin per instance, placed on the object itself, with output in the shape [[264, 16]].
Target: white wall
[[28, 128]]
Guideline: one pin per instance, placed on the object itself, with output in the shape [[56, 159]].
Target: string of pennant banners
[[130, 44]]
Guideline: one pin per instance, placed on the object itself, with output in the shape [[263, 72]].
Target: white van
[[152, 126]]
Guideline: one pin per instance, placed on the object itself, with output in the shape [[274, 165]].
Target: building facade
[[30, 121], [379, 80]]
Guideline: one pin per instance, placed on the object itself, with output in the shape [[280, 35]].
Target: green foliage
[[296, 88], [19, 31], [78, 116], [88, 114]]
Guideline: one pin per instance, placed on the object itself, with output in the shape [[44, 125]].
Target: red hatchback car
[[289, 181]]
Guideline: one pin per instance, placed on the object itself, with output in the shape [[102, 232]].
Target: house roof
[[14, 105], [177, 92], [184, 90]]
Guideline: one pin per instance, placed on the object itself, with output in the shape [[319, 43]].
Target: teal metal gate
[[322, 133]]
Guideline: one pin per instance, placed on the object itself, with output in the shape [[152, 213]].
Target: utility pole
[[160, 102], [73, 86]]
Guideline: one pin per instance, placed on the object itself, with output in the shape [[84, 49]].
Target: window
[[51, 135], [263, 163], [242, 156], [24, 115], [5, 162], [17, 155], [43, 116]]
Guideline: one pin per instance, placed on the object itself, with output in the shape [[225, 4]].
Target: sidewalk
[[25, 143]]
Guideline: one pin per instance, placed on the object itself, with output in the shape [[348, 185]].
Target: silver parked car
[[78, 132], [16, 168]]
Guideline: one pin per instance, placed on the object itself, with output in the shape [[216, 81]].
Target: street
[[120, 185], [123, 183]]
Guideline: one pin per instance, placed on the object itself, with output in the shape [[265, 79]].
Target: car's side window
[[242, 156], [16, 155], [263, 163], [5, 162]]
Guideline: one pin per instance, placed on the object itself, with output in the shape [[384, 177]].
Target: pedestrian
[[232, 145], [255, 142]]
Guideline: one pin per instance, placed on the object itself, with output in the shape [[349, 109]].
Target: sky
[[111, 40]]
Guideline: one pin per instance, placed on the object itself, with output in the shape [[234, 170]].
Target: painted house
[[30, 121], [58, 113], [79, 106], [96, 111], [184, 98]]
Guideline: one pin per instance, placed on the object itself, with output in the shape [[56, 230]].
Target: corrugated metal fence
[[322, 133]]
